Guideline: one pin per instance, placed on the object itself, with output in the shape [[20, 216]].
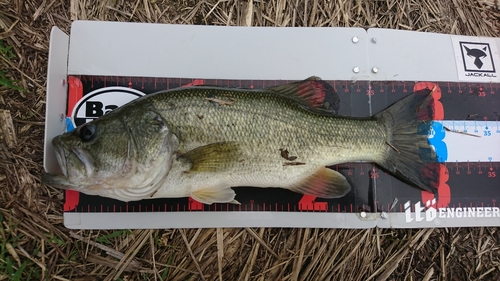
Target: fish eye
[[87, 132]]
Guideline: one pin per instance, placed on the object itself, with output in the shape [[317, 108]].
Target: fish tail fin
[[409, 154]]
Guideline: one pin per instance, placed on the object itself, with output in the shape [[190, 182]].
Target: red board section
[[194, 205], [308, 203], [196, 82], [444, 194], [75, 93], [72, 200], [436, 96]]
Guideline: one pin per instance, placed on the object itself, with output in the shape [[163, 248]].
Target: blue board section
[[69, 125], [436, 139]]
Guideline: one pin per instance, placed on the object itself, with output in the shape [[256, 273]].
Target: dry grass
[[35, 245]]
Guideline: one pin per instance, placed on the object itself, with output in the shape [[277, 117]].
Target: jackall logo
[[101, 101], [429, 213], [477, 59]]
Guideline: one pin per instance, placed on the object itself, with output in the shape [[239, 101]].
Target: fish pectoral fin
[[215, 157], [214, 195], [324, 183], [313, 93]]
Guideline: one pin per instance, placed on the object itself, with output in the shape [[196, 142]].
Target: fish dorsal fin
[[313, 94], [211, 195], [214, 157], [324, 183]]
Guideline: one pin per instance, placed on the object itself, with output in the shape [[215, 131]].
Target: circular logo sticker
[[101, 101]]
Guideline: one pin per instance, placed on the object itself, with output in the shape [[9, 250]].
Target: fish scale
[[266, 122]]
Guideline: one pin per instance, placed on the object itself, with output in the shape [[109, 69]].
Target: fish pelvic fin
[[313, 94], [212, 195], [214, 157], [324, 183], [410, 157]]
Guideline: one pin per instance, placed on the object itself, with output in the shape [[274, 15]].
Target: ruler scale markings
[[463, 150]]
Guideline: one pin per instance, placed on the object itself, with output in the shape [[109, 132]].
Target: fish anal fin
[[313, 93], [212, 195], [215, 157], [324, 183]]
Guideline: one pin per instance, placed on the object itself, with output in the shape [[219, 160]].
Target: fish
[[201, 141]]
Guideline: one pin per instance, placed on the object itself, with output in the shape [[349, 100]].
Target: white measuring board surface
[[368, 69], [470, 141]]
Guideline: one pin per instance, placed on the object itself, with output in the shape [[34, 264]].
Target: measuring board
[[466, 134], [106, 64]]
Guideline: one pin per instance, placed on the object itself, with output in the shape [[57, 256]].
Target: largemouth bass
[[201, 141]]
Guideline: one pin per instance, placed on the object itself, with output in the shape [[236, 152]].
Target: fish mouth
[[63, 151], [59, 148]]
